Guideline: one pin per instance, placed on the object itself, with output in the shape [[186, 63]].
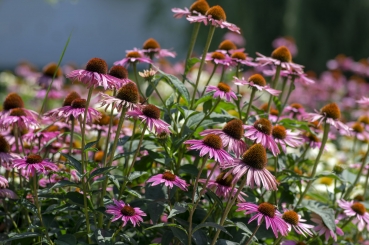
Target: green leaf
[[169, 102], [277, 103], [22, 236], [226, 242], [191, 62], [133, 193], [243, 227], [150, 89], [74, 162], [189, 169], [207, 106], [136, 174], [175, 83], [327, 214], [90, 144], [66, 239], [215, 198], [214, 225], [180, 234], [178, 208], [200, 238], [203, 100], [64, 183], [114, 180], [28, 205], [100, 171]]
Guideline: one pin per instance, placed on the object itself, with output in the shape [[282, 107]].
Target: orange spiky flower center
[[216, 13], [227, 181], [358, 208], [227, 45], [118, 72], [282, 54], [97, 65], [279, 132], [151, 43], [133, 54], [79, 103], [50, 69], [17, 112], [218, 55], [234, 129], [129, 92], [255, 157], [258, 80], [70, 97], [213, 141], [239, 55], [151, 111], [263, 125], [12, 101], [291, 217], [267, 209], [200, 6], [167, 175], [4, 145], [224, 87], [331, 111], [357, 127], [33, 158], [128, 211]]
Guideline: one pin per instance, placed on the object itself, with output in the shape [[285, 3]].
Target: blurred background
[[37, 30]]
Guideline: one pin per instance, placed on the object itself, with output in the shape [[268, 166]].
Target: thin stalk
[[276, 77], [136, 77], [207, 45], [192, 211], [253, 91], [324, 141], [109, 134], [347, 222], [291, 88], [222, 74], [37, 204], [278, 240], [254, 233], [284, 82], [358, 175], [211, 76], [71, 135], [125, 181], [195, 32], [275, 169], [228, 208], [130, 144]]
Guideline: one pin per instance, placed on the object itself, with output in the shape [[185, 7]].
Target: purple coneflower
[[295, 110], [6, 157], [261, 132], [268, 212], [312, 140], [356, 210], [228, 47], [47, 75], [218, 58], [123, 211], [34, 164], [14, 101], [294, 220], [258, 82], [42, 136], [240, 58], [150, 115], [212, 146], [285, 137], [95, 75], [280, 57], [169, 179], [231, 136], [223, 187], [127, 97], [21, 118], [363, 101], [290, 242], [331, 114], [222, 91], [121, 73], [132, 57], [75, 110], [197, 8], [3, 182], [216, 17], [321, 228], [252, 165], [152, 48]]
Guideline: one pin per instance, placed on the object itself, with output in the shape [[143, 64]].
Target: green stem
[[195, 32], [291, 88], [358, 175], [207, 45], [254, 233], [278, 240], [134, 64], [347, 222], [284, 82], [276, 77], [37, 204], [324, 141], [211, 76], [222, 74], [71, 135], [125, 181], [253, 91]]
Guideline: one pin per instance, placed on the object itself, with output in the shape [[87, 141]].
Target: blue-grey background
[[37, 30]]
